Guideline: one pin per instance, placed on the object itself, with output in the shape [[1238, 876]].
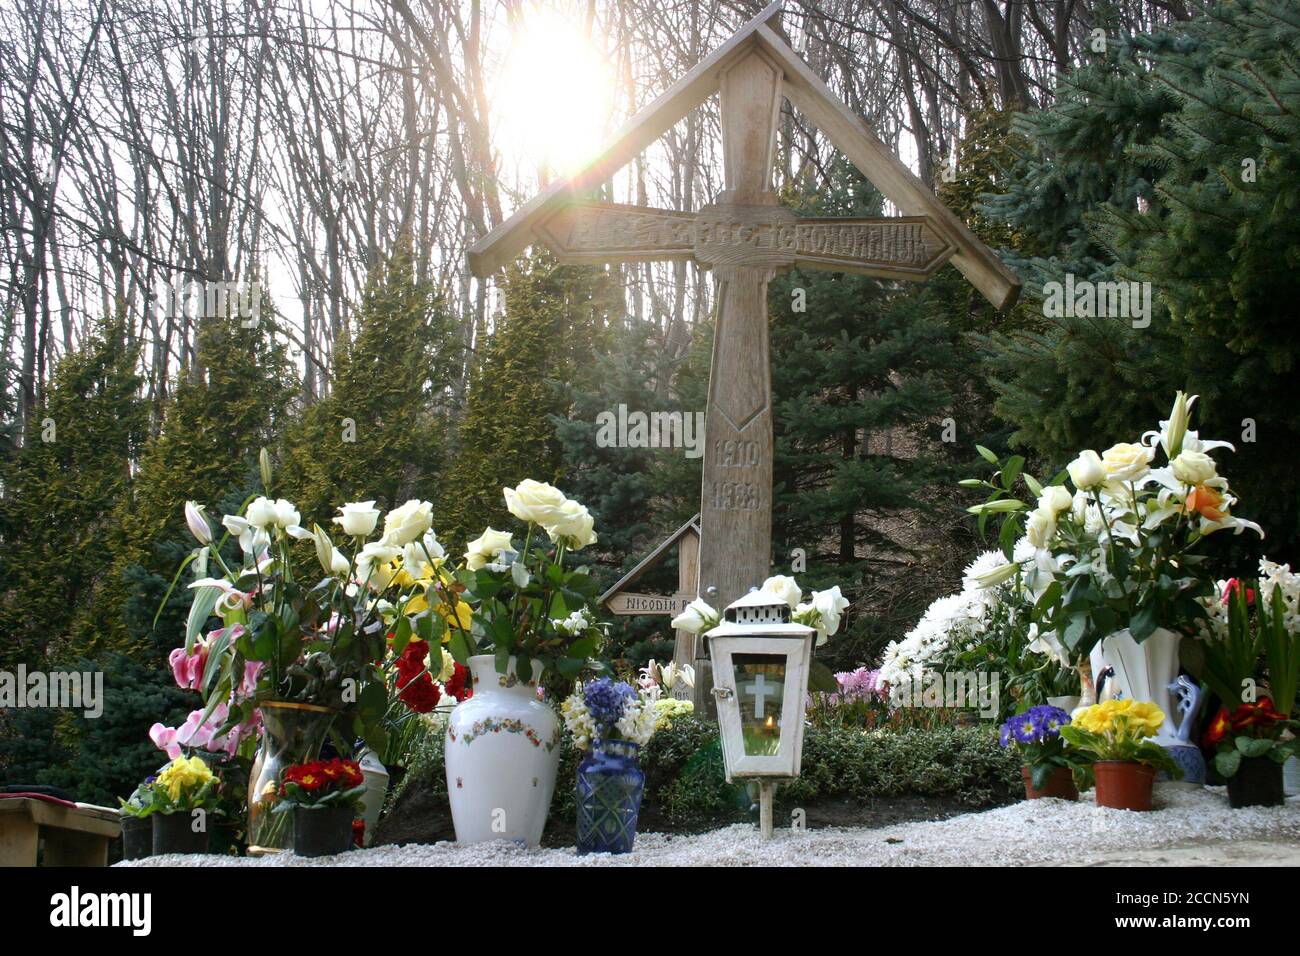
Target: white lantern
[[760, 678]]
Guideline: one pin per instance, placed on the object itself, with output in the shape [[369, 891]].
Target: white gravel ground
[[1188, 827]]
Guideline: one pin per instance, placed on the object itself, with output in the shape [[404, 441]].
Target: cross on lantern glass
[[760, 678]]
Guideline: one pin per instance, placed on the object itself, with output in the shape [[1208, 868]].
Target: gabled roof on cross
[[847, 131], [651, 559]]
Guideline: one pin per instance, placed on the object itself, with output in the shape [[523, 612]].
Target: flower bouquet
[[527, 606], [1121, 554], [610, 721], [1036, 733], [179, 800], [1113, 736], [324, 797]]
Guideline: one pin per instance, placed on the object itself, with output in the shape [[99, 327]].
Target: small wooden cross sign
[[621, 600], [745, 237]]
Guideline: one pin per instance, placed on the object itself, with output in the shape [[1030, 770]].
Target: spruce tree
[[1173, 162]]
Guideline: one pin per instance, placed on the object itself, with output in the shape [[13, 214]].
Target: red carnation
[[459, 686]]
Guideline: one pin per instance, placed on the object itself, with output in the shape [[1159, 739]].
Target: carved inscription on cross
[[745, 237]]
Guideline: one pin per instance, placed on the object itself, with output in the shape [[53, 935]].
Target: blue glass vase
[[610, 784]]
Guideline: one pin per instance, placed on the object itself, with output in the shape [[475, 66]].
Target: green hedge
[[960, 767]]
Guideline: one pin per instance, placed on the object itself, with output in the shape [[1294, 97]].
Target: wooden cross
[[745, 237]]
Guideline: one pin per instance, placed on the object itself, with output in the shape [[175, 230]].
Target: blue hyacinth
[[606, 699]]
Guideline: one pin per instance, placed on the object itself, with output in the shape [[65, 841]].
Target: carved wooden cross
[[745, 238]]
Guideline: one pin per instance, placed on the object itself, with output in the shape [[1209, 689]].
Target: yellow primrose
[[183, 774]]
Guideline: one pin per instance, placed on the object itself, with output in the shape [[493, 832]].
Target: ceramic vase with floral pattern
[[503, 753]]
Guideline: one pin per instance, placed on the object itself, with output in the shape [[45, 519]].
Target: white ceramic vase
[[1068, 703], [372, 802], [503, 752], [1141, 672]]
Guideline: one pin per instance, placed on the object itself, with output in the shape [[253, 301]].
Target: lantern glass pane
[[760, 688]]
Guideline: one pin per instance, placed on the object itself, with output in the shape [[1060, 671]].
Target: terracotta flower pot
[[1257, 783], [1060, 785], [1123, 784]]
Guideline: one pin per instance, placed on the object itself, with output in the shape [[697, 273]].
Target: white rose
[[783, 588], [699, 616], [414, 562], [574, 524], [1055, 499], [1040, 527], [535, 502], [358, 518], [486, 545], [407, 523], [1127, 461], [375, 564], [1194, 467], [830, 605], [338, 562], [1086, 471]]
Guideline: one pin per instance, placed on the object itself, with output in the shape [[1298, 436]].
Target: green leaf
[[1253, 746], [205, 599], [987, 455], [1011, 472], [570, 666], [1032, 484], [1227, 762], [1143, 624], [459, 647], [401, 635]]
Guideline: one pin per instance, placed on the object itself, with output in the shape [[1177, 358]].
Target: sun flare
[[553, 95]]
